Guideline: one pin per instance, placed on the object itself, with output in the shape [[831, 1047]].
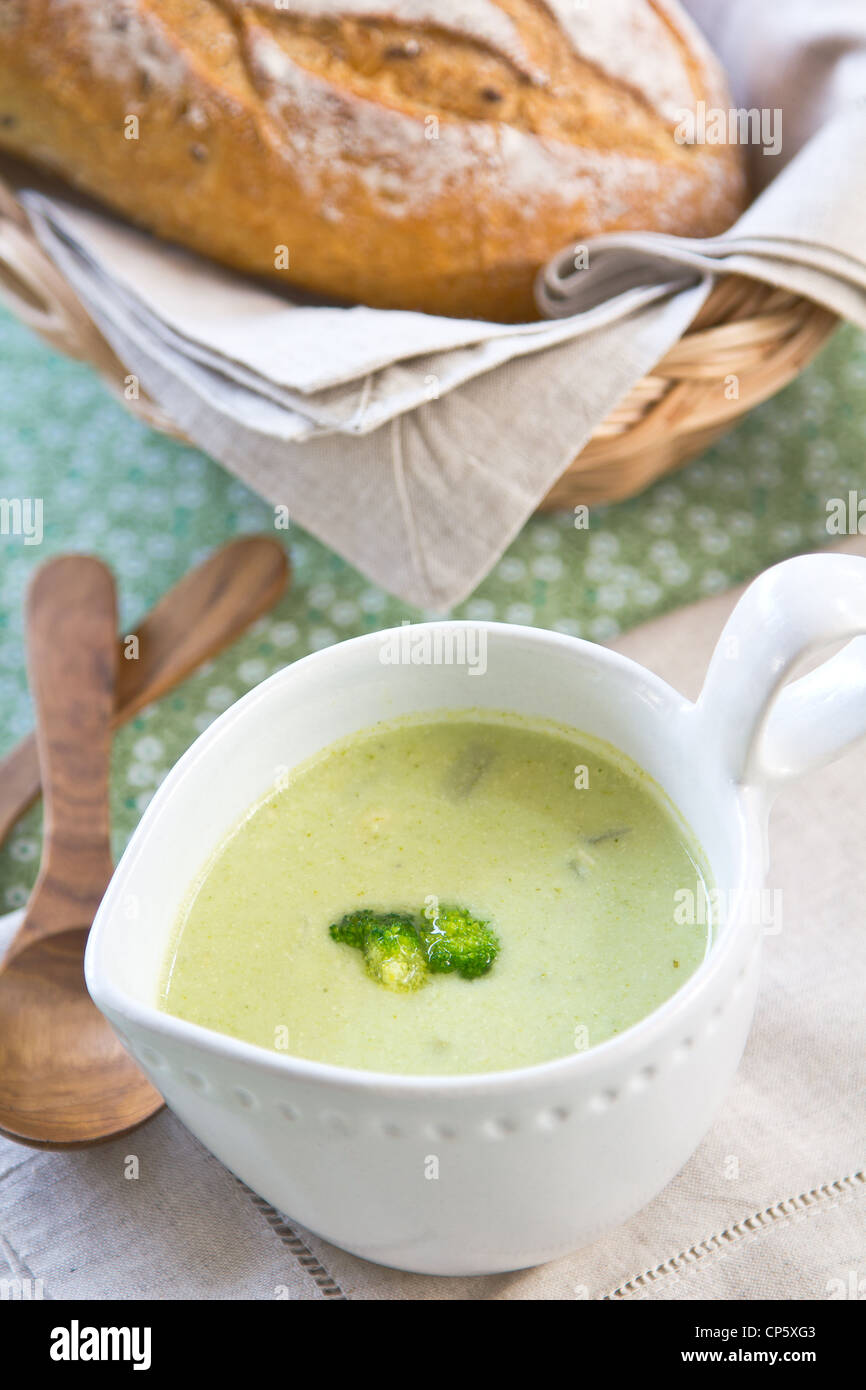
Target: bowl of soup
[[446, 940]]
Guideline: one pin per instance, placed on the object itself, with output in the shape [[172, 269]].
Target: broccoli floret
[[455, 940], [393, 951], [394, 954], [352, 929], [398, 954]]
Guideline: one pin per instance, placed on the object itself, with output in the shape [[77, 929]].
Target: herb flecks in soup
[[569, 851]]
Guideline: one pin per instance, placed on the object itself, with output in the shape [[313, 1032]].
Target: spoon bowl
[[64, 1076]]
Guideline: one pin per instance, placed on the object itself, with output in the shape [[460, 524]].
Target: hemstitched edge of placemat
[[302, 1252], [812, 1203]]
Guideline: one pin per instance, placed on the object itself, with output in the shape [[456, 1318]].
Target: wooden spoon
[[64, 1077], [207, 610]]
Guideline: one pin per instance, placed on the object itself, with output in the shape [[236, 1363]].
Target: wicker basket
[[748, 341]]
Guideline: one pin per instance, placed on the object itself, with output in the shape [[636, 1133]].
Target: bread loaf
[[414, 154]]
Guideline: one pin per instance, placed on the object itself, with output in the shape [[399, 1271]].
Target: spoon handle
[[72, 661], [198, 617], [206, 611]]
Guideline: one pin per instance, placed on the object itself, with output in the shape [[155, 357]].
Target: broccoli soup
[[463, 894]]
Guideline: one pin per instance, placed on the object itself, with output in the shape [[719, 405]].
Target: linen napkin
[[417, 446], [772, 1205], [423, 504]]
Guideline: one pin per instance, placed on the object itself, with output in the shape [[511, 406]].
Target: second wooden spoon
[[202, 614]]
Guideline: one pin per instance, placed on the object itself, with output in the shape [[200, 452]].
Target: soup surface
[[568, 849]]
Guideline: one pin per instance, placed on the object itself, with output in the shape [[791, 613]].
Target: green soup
[[569, 850]]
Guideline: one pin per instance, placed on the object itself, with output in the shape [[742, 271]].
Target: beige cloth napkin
[[420, 472], [772, 1205], [418, 446]]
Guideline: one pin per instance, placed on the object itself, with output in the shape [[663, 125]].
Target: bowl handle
[[768, 735]]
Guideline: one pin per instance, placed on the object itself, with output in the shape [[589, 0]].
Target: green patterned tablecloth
[[151, 508]]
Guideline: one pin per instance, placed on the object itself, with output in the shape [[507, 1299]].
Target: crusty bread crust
[[414, 154]]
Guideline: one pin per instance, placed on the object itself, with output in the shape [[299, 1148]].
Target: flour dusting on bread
[[125, 42], [627, 41], [328, 137], [632, 44], [480, 20]]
